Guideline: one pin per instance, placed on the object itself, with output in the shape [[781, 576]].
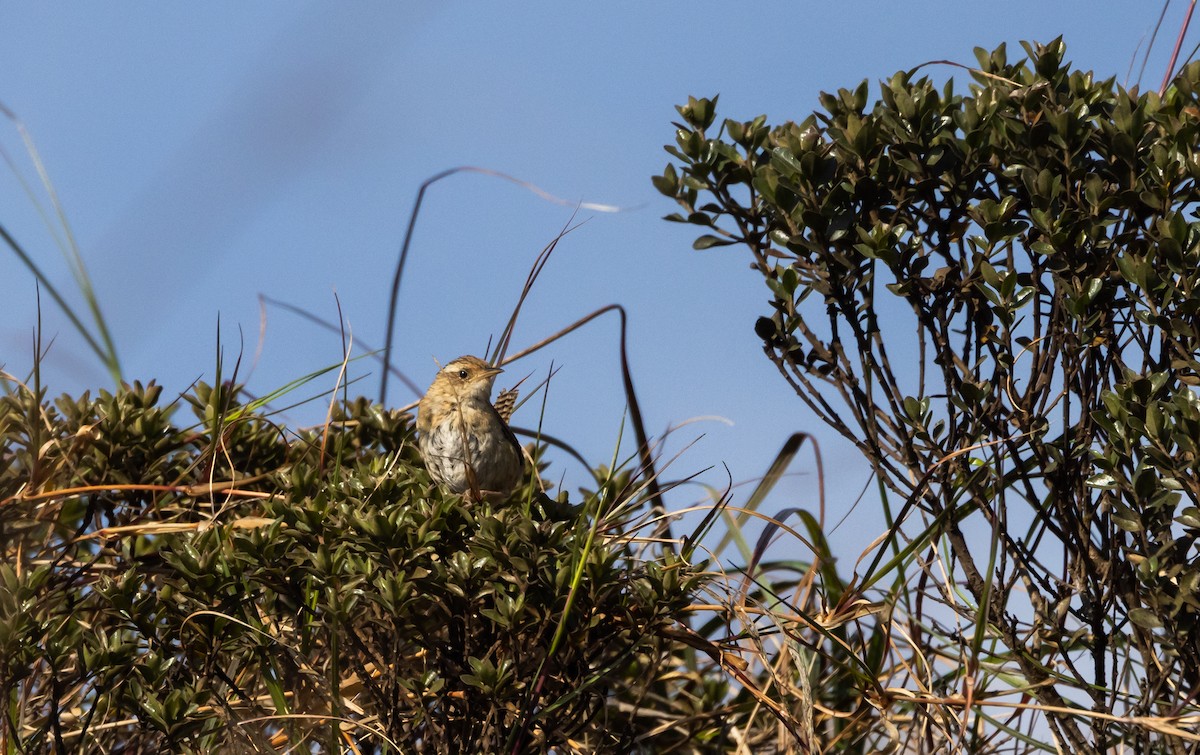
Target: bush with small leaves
[[994, 296], [236, 586]]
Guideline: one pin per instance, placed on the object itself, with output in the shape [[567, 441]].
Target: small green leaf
[[1145, 618], [668, 182], [709, 241], [1190, 517], [1104, 481]]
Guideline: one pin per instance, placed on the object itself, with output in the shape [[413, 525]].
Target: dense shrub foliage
[[994, 296], [234, 586]]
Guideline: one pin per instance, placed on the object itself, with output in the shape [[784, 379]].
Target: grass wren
[[467, 444]]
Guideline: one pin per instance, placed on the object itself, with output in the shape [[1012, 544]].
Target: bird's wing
[[505, 403]]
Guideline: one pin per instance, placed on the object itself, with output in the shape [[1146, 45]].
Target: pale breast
[[452, 455]]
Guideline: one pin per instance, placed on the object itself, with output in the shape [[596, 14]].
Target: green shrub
[[235, 586], [994, 296]]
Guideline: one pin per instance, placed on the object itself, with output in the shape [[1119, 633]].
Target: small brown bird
[[467, 445]]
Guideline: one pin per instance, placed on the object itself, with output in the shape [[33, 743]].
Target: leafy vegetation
[[993, 295], [230, 585]]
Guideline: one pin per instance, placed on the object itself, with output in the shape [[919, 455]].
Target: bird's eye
[[462, 374]]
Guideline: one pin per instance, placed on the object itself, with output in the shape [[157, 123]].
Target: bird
[[467, 444]]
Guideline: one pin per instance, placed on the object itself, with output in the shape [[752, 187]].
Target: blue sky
[[206, 154]]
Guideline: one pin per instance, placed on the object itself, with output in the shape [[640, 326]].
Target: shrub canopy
[[232, 585], [994, 296]]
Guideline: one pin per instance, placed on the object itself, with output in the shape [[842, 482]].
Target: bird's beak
[[491, 371]]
